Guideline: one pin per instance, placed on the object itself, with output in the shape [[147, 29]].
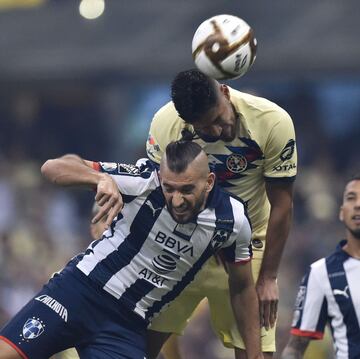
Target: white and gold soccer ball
[[224, 47]]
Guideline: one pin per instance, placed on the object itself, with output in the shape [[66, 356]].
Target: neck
[[352, 247]]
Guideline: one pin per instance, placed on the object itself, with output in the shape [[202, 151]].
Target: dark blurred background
[[91, 86]]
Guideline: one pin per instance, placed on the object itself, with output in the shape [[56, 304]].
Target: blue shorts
[[70, 311]]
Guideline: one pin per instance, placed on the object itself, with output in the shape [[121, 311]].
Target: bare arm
[[245, 306], [280, 195], [71, 170], [295, 348]]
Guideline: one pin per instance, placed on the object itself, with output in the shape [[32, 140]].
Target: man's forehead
[[352, 187], [178, 179]]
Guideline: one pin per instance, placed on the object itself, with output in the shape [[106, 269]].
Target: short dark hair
[[354, 177], [193, 94], [179, 154]]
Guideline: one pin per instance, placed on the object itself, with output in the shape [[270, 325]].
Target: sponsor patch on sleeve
[[288, 151]]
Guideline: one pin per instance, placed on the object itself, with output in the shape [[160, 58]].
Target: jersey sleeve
[[166, 126], [238, 248], [280, 150], [310, 312], [132, 180]]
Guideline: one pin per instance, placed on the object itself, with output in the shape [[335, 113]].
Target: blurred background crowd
[[87, 76]]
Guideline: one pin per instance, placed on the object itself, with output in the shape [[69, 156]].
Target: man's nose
[[177, 200], [216, 131], [357, 203]]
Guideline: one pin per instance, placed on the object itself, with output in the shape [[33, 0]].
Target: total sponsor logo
[[288, 150], [54, 305], [281, 168]]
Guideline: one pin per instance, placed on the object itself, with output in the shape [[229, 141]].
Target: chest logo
[[236, 163], [342, 292], [165, 262]]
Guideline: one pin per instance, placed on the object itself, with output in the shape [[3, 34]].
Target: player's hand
[[108, 199], [268, 293]]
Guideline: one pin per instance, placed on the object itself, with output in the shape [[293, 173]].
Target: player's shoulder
[[318, 270], [167, 117], [228, 205], [166, 125], [318, 264], [258, 109]]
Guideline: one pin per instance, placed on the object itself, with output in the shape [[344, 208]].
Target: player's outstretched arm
[[245, 306], [295, 347], [72, 170], [280, 196]]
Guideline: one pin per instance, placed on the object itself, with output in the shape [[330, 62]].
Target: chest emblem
[[236, 163]]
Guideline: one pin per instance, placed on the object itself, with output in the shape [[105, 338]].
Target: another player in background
[[250, 143], [172, 221], [330, 293]]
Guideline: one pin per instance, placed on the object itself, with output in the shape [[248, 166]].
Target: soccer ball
[[224, 47]]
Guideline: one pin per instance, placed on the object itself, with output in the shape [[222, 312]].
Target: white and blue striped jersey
[[146, 259], [330, 293]]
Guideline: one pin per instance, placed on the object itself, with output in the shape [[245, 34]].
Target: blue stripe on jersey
[[335, 264], [127, 198], [229, 253], [323, 316], [224, 225], [179, 286], [139, 289], [128, 249]]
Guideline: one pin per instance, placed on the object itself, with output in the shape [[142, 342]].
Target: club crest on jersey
[[288, 150], [219, 238], [32, 329], [236, 163]]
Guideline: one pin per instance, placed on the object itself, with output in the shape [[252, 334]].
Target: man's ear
[[225, 90], [210, 182], [341, 214]]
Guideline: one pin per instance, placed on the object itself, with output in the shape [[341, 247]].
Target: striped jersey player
[[330, 293], [157, 257], [172, 221]]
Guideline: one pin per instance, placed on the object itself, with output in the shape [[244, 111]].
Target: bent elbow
[[48, 170]]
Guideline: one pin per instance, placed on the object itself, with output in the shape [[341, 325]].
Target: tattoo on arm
[[295, 347]]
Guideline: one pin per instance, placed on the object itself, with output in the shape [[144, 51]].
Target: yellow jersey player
[[250, 143]]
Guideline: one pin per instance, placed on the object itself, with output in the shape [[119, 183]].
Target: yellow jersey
[[264, 149]]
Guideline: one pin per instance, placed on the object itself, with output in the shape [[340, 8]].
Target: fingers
[[273, 313], [110, 210], [109, 201], [268, 313], [114, 211]]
